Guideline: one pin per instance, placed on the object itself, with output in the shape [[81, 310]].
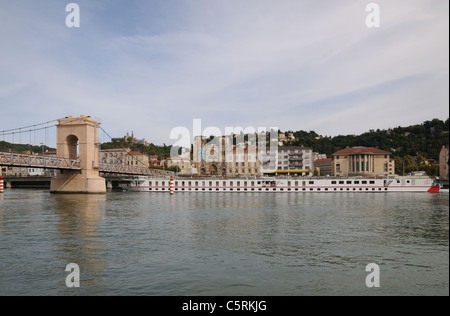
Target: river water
[[223, 243]]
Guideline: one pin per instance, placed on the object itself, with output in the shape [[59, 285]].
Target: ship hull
[[240, 185]]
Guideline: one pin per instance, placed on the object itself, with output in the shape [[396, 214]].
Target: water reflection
[[222, 244], [79, 238]]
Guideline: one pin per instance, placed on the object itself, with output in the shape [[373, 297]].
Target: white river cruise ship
[[411, 183]]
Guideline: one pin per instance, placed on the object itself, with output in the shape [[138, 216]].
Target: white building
[[116, 156], [295, 160]]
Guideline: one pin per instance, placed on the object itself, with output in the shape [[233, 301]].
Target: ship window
[[333, 182], [372, 182], [311, 182], [349, 182]]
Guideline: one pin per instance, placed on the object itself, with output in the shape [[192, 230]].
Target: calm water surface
[[224, 244]]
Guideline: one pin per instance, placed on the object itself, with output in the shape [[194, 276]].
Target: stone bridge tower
[[77, 138]]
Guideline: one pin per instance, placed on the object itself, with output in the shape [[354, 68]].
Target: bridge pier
[[77, 138]]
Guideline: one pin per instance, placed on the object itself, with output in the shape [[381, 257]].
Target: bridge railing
[[49, 162], [35, 161]]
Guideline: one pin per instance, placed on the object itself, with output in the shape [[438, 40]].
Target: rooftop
[[361, 150], [323, 159], [136, 153]]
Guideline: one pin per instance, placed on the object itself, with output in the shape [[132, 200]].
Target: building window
[[338, 167]]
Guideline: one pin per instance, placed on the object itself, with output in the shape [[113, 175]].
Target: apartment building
[[295, 160], [116, 156], [443, 162], [137, 159], [183, 164]]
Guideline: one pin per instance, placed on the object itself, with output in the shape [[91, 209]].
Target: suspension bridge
[[77, 157]]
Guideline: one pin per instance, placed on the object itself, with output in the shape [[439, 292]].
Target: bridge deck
[[35, 161], [47, 162]]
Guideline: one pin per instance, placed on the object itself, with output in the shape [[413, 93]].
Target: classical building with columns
[[365, 161]]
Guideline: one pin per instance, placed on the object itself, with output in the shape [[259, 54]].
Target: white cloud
[[290, 64]]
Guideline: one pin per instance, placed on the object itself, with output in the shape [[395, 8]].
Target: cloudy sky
[[149, 66]]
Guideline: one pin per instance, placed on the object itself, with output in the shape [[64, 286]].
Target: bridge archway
[[77, 138], [72, 144]]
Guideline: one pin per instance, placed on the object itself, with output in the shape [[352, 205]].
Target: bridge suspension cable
[[27, 128], [4, 133], [124, 149]]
